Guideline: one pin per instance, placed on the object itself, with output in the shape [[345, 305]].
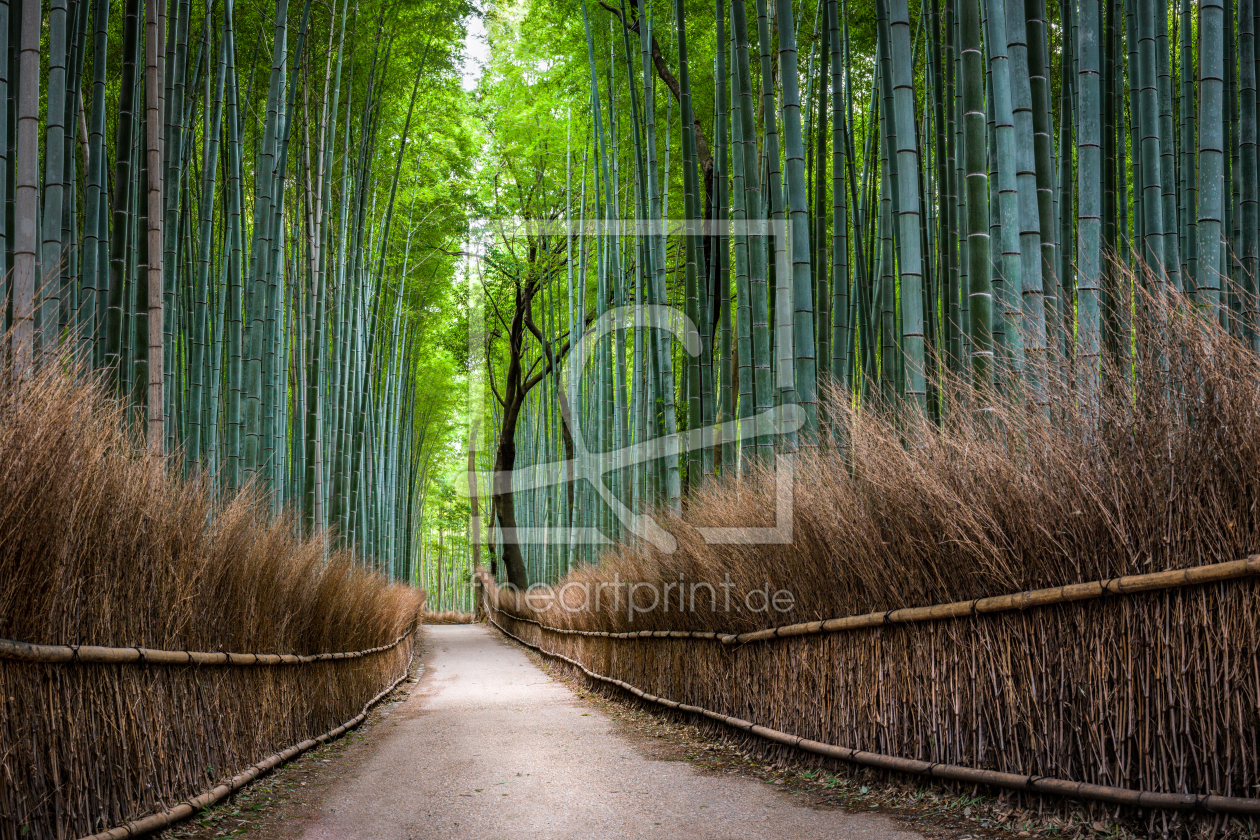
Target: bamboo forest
[[858, 400]]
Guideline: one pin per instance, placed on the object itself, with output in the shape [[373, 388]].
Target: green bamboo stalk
[[646, 244], [1211, 155], [1009, 291], [1149, 153], [909, 254], [316, 369], [1113, 163], [1167, 154], [51, 266], [178, 119], [13, 63], [275, 382], [955, 306], [1135, 135], [1032, 284], [1089, 191], [1124, 226], [762, 381], [1249, 183], [1233, 214], [153, 148], [942, 159], [805, 391], [890, 379], [663, 369], [691, 215], [818, 167], [96, 210], [120, 209], [739, 216], [6, 160], [868, 267], [841, 323], [234, 444], [782, 369], [26, 191], [1189, 174], [721, 261], [1065, 170], [980, 292], [210, 157], [257, 303]]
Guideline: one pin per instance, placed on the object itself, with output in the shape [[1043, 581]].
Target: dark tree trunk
[[567, 436], [504, 500]]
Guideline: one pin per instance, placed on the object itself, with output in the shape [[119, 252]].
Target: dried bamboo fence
[[447, 617], [1138, 691], [116, 742]]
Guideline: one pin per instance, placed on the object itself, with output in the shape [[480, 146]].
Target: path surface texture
[[488, 746]]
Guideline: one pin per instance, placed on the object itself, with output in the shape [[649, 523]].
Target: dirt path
[[488, 746]]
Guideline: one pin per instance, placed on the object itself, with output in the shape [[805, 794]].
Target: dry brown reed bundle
[[1153, 691], [102, 543], [447, 617]]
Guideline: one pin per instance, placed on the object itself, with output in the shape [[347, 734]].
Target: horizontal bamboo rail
[[186, 809], [25, 652], [1127, 585], [952, 772]]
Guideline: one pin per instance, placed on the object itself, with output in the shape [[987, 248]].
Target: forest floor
[[492, 742]]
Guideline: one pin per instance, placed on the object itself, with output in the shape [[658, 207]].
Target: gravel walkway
[[488, 747]]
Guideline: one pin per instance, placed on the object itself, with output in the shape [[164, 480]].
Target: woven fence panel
[[1155, 691], [85, 747]]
